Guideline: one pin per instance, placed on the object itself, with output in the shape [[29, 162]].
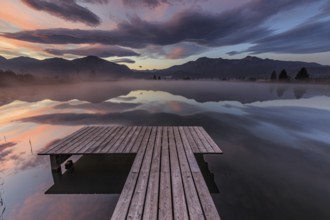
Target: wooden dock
[[165, 181]]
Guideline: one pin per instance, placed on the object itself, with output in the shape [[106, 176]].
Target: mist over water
[[275, 139]]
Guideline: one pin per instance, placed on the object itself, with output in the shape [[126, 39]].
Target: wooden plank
[[109, 145], [137, 133], [216, 148], [95, 144], [165, 181], [137, 203], [125, 198], [66, 139], [127, 140], [69, 139], [151, 201], [192, 143], [189, 153], [85, 140], [204, 195], [194, 207], [80, 139], [142, 147], [195, 139], [202, 139], [136, 146], [81, 149], [165, 191], [120, 140], [109, 138], [178, 196], [207, 202]]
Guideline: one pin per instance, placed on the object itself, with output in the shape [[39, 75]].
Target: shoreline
[[84, 81]]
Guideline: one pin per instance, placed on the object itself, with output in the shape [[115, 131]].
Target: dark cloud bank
[[150, 3], [71, 10], [240, 25], [68, 10], [123, 60], [100, 51], [309, 38]]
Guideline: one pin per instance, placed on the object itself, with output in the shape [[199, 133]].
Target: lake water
[[275, 139]]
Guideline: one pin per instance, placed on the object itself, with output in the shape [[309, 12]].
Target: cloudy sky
[[147, 34]]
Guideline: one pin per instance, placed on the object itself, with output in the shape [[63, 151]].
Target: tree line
[[8, 76], [283, 75]]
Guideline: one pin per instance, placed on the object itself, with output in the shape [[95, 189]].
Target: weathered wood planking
[[193, 203], [201, 187], [178, 196], [165, 181], [150, 210], [123, 139], [165, 190], [215, 148], [137, 202], [127, 193], [169, 184]]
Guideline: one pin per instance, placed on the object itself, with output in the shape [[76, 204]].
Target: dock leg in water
[[56, 161]]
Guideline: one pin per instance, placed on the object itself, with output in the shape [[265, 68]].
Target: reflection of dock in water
[[165, 180]]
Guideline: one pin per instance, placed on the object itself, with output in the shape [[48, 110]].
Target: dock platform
[[165, 181]]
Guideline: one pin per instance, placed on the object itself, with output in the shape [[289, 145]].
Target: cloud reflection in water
[[276, 152]]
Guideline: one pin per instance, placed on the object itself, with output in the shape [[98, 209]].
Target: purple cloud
[[150, 3], [194, 27], [68, 10], [96, 1], [123, 60], [308, 38], [99, 50], [243, 24], [176, 51]]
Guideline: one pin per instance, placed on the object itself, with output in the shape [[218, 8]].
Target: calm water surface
[[275, 138]]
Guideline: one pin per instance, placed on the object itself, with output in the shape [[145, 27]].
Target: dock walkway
[[165, 181]]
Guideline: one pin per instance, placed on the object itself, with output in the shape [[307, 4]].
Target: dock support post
[[56, 176], [56, 161]]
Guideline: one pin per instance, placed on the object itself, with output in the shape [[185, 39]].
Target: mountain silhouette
[[86, 67], [248, 67], [202, 68]]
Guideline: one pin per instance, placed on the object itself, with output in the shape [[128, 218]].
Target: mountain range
[[202, 68], [248, 67], [85, 67]]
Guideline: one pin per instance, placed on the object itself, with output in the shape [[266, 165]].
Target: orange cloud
[[176, 53], [12, 48], [25, 18], [20, 18]]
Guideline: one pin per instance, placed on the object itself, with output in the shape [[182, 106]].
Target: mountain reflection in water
[[275, 139]]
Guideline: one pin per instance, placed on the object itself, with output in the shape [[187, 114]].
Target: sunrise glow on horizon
[[158, 34]]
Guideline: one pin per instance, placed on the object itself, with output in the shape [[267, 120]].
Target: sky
[[156, 34]]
